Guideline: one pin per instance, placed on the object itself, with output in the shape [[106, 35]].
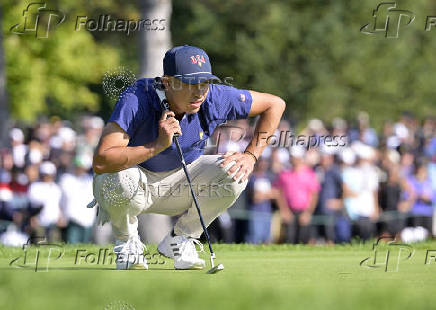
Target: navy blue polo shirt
[[138, 113]]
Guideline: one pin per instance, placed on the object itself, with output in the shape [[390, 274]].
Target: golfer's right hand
[[168, 126]]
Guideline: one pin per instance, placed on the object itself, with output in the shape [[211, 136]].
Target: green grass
[[255, 277]]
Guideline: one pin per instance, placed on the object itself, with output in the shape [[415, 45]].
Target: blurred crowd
[[324, 183], [330, 183], [46, 181]]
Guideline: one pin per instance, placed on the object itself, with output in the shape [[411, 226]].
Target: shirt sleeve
[[278, 182], [127, 113], [315, 187], [231, 103]]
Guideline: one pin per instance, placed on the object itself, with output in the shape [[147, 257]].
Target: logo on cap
[[198, 59]]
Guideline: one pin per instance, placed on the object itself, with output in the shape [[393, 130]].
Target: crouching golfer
[[137, 167]]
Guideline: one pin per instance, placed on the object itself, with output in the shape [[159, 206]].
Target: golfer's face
[[187, 98]]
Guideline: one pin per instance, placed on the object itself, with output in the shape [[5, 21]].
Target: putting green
[[264, 276]]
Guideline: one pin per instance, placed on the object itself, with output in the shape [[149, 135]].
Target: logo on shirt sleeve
[[242, 98]]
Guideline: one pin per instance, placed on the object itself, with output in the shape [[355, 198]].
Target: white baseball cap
[[16, 134], [348, 156], [297, 151], [47, 167]]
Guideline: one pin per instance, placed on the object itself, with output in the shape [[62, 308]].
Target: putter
[[165, 106]]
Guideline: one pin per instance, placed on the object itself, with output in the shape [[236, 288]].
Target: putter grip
[[166, 107]]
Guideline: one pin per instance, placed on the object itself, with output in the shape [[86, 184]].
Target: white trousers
[[123, 195]]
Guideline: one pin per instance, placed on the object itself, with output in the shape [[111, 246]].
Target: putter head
[[215, 269]]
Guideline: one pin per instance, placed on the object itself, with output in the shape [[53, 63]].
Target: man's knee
[[233, 188], [220, 177], [120, 187]]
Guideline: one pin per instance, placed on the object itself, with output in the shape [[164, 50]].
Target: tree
[[53, 75], [313, 55], [153, 45], [4, 109]]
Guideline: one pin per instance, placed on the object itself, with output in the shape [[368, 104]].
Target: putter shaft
[[182, 159]]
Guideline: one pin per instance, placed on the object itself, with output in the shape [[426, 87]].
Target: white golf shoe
[[130, 254], [183, 251]]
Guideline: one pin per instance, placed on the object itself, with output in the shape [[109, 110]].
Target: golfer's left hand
[[245, 162]]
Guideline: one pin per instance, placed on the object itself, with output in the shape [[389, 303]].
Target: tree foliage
[[56, 75], [310, 52], [313, 54]]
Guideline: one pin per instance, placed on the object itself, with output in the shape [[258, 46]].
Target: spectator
[[78, 217], [407, 163], [260, 193], [329, 205], [279, 160], [36, 153], [364, 133], [19, 149], [299, 187], [390, 200], [361, 192], [367, 134], [45, 196], [421, 194], [55, 140], [86, 142]]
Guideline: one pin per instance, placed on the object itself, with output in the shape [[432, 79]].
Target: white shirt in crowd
[[363, 181], [76, 194], [47, 194]]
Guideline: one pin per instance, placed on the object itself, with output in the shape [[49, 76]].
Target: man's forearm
[[119, 158], [265, 127]]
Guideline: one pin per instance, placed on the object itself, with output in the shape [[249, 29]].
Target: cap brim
[[201, 77]]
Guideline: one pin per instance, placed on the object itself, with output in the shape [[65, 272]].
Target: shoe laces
[[188, 247], [132, 246]]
